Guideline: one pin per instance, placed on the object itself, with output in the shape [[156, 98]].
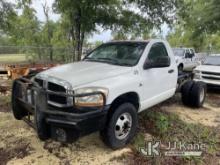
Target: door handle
[[171, 71]]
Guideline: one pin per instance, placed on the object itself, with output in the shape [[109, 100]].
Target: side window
[[187, 53], [157, 50]]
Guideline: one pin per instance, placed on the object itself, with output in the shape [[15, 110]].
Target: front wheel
[[17, 109], [121, 127]]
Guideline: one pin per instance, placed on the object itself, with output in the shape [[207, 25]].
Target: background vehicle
[[209, 71], [104, 92], [185, 59]]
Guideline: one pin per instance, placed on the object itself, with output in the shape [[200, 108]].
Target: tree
[[6, 11], [48, 27], [26, 27], [85, 16], [198, 25], [208, 21]]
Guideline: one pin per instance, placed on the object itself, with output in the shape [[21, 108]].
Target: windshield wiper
[[107, 60], [113, 61]]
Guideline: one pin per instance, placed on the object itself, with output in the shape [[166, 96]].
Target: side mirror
[[159, 62]]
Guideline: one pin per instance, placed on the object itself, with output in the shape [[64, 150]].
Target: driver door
[[158, 83]]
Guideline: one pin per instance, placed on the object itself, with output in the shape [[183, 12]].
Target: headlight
[[94, 100]]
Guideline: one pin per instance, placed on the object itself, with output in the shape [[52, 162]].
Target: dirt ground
[[20, 145]]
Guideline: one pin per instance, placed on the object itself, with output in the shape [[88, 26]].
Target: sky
[[101, 36]]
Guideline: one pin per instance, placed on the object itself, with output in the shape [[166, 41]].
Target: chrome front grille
[[59, 86], [211, 75]]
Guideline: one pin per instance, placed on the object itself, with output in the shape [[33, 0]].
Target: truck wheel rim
[[123, 126], [202, 95]]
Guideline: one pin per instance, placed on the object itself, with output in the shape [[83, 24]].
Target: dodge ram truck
[[104, 92]]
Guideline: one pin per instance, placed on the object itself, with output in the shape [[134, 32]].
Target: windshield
[[121, 53], [178, 52], [213, 60]]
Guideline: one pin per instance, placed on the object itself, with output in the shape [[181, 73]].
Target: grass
[[167, 127], [5, 58]]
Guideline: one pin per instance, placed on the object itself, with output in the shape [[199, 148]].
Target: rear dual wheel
[[193, 94]]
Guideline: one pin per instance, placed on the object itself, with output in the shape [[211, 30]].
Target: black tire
[[185, 91], [17, 109], [108, 134], [198, 94]]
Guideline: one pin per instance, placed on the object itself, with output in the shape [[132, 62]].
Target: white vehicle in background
[[209, 71], [185, 59]]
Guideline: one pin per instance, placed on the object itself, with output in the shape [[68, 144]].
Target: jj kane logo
[[152, 149]]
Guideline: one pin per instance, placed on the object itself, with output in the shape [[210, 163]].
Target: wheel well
[[131, 97], [181, 65]]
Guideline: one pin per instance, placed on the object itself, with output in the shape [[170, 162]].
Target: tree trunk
[[51, 53], [81, 45], [49, 30], [78, 35]]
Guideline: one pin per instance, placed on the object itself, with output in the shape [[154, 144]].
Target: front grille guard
[[28, 89]]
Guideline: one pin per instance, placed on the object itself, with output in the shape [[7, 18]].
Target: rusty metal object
[[14, 71]]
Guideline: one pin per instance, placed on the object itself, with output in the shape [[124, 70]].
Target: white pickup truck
[[185, 59], [209, 71], [105, 91]]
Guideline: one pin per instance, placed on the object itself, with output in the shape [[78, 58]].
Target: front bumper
[[72, 121], [74, 125]]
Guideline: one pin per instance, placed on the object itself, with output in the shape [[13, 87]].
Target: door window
[[157, 50]]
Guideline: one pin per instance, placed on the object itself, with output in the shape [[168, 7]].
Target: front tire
[[17, 109], [121, 127]]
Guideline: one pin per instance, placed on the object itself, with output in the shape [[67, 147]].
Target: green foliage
[[198, 26], [138, 141], [6, 12], [159, 121], [120, 16]]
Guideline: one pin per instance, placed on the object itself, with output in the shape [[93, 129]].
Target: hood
[[208, 68], [84, 72]]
